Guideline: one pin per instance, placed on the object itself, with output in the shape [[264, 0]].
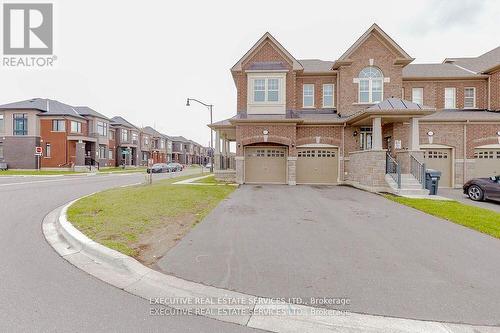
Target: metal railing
[[417, 169], [90, 162], [393, 169]]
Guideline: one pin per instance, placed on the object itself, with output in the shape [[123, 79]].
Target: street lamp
[[210, 107]]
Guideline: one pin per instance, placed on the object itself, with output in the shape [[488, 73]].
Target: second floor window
[[58, 125], [417, 95], [20, 124], [266, 90], [328, 95], [124, 135], [371, 85], [146, 141], [308, 96], [76, 127], [450, 98], [102, 128], [470, 98], [2, 128], [134, 138]]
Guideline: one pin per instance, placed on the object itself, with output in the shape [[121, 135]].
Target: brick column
[[414, 139], [377, 134], [80, 153], [292, 162], [240, 169]]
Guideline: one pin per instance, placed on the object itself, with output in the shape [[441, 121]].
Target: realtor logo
[[27, 28]]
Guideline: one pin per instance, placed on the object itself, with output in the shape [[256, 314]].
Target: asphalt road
[[41, 292], [316, 241], [458, 195]]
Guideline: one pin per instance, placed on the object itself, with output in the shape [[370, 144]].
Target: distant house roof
[[436, 71], [398, 104], [117, 120], [480, 64], [179, 139], [49, 107], [316, 65], [86, 111], [151, 131]]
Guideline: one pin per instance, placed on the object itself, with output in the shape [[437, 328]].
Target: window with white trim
[[417, 95], [124, 133], [2, 122], [76, 127], [371, 85], [470, 97], [450, 99], [1, 151], [266, 90], [48, 150], [102, 152], [328, 95], [110, 154], [308, 95]]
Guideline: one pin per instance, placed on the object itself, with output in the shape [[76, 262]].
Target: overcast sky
[[141, 59]]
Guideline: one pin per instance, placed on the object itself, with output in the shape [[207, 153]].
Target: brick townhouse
[[368, 118], [74, 137]]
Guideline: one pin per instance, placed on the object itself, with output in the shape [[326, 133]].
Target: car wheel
[[475, 193]]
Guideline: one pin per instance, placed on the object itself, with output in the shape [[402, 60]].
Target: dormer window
[[371, 85]]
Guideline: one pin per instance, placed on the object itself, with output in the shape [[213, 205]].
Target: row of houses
[[78, 137]]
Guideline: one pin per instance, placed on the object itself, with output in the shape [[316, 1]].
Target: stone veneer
[[367, 170], [225, 175]]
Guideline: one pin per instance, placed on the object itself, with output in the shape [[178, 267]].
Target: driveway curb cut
[[162, 290]]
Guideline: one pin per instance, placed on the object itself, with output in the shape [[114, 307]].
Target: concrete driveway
[[312, 241], [458, 195]]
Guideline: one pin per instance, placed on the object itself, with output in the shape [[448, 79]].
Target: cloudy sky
[[141, 59]]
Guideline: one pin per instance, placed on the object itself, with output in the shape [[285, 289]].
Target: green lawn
[[120, 169], [36, 172], [117, 218], [208, 180], [480, 219]]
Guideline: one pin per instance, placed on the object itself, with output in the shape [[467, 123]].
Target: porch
[[224, 159]]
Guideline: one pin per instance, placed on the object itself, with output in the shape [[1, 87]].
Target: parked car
[[208, 165], [158, 168], [174, 167], [483, 188]]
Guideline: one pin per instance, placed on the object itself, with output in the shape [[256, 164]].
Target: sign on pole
[[38, 151]]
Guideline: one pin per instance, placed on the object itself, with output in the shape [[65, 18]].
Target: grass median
[[37, 172], [145, 221], [480, 219]]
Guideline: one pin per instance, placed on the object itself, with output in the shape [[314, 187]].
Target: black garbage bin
[[432, 180]]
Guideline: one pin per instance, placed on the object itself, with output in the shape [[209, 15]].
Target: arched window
[[371, 85]]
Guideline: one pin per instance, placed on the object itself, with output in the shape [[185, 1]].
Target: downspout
[[489, 92], [465, 153], [343, 152]]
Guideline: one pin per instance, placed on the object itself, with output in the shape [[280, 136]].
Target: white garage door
[[265, 165], [317, 166], [487, 162]]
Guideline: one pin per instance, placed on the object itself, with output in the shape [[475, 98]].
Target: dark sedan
[[158, 168], [479, 189]]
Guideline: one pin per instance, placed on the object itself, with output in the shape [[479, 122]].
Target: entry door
[[440, 159], [487, 162], [317, 166], [265, 165]]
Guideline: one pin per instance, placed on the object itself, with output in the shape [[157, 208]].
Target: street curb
[[272, 315]]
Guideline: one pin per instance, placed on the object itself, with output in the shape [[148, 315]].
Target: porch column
[[217, 151], [377, 134], [414, 140]]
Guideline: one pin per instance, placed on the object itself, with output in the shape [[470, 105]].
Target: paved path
[[40, 291], [306, 241], [458, 195]]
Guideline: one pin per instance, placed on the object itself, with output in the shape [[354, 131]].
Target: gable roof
[[86, 111], [267, 36], [49, 107], [117, 120], [179, 138], [481, 64], [151, 131], [404, 57]]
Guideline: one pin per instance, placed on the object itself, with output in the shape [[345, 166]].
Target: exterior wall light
[[430, 136], [265, 132], [430, 133], [355, 133]]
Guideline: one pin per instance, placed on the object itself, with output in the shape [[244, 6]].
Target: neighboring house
[[56, 127], [99, 126], [127, 142], [159, 145], [360, 118], [179, 151], [146, 140]]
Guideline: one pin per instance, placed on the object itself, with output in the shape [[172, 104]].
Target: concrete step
[[409, 186]]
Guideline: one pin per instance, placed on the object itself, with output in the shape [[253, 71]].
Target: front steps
[[409, 185]]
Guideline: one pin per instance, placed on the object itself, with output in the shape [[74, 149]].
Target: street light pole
[[210, 107]]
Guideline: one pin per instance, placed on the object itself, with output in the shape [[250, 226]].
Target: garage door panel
[[265, 165], [486, 162], [317, 166], [440, 159]]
